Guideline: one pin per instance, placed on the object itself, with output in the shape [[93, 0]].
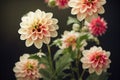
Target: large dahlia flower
[[38, 27], [86, 9], [96, 60]]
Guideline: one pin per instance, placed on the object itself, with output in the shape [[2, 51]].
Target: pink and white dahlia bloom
[[86, 9], [96, 60], [69, 39], [38, 27], [27, 69], [97, 26]]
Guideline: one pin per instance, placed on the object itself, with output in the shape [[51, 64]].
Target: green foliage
[[72, 20], [45, 73], [42, 59], [80, 39], [62, 64], [94, 76], [58, 53], [57, 42]]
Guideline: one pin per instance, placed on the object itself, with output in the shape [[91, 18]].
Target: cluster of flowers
[[38, 27]]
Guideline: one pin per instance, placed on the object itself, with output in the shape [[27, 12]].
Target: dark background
[[11, 47]]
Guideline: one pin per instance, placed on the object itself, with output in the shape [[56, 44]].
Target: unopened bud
[[76, 27], [52, 3]]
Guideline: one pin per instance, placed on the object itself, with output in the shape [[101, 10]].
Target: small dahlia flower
[[86, 9], [38, 27], [69, 39], [97, 26], [96, 60], [62, 3], [27, 69]]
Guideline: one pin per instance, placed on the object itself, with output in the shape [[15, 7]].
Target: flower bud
[[52, 3], [76, 27]]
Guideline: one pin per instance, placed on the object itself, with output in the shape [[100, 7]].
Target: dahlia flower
[[62, 3], [27, 69], [96, 60], [86, 9], [97, 26], [69, 39], [38, 27]]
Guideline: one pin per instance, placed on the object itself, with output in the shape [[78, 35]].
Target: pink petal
[[34, 36]]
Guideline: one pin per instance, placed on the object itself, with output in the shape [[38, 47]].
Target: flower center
[[98, 24], [98, 57], [71, 40], [29, 66], [37, 28]]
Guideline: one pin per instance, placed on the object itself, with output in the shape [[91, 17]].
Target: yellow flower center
[[29, 66], [71, 40]]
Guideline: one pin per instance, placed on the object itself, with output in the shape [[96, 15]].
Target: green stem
[[50, 58], [82, 75], [77, 64], [73, 75], [82, 24]]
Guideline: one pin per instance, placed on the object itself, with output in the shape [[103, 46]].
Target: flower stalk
[[50, 58], [81, 76]]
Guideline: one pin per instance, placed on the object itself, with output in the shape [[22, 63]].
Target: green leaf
[[57, 54], [80, 39], [93, 38], [72, 20], [94, 76], [63, 63], [45, 73], [62, 76], [34, 56], [57, 42]]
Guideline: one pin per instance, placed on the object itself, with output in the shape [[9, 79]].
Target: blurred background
[[11, 47]]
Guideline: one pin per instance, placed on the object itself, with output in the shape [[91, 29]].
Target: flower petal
[[91, 70], [48, 15], [54, 21], [75, 11], [29, 42], [46, 40], [23, 37], [22, 31], [85, 66], [51, 28], [81, 16], [102, 2], [99, 71], [38, 43], [53, 33], [101, 10]]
